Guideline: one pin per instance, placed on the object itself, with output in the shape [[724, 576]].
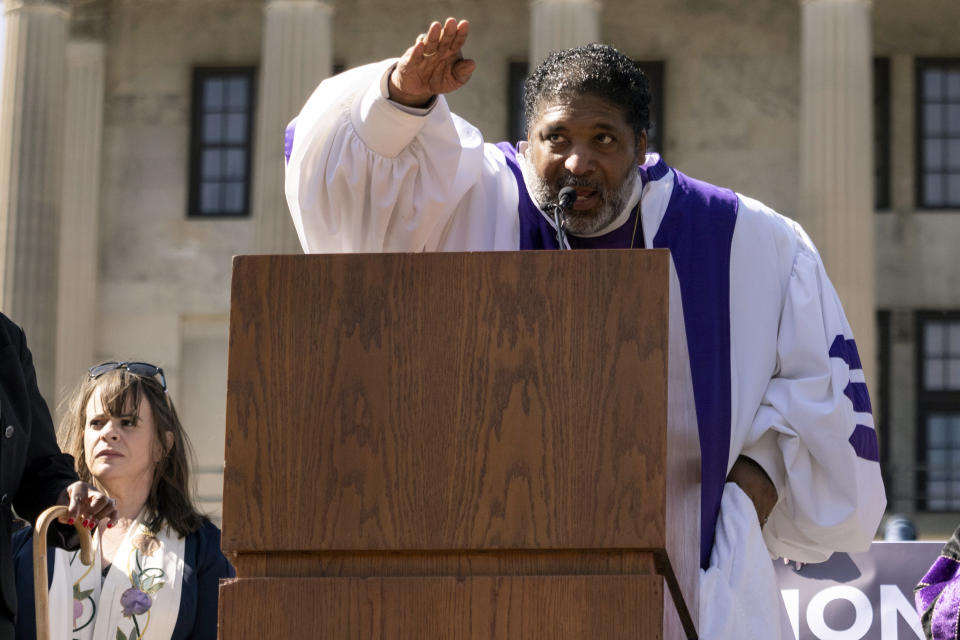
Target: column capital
[[88, 19]]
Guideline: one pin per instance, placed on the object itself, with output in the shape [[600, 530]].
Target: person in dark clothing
[[34, 473]]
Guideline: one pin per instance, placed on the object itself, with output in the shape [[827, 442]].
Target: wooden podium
[[460, 446]]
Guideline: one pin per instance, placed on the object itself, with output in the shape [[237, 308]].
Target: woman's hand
[[433, 65], [88, 505]]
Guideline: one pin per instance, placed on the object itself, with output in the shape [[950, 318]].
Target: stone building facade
[[141, 148]]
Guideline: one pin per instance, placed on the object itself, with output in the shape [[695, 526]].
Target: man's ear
[[642, 147]]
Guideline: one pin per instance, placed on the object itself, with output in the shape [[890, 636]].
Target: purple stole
[[697, 228], [938, 594]]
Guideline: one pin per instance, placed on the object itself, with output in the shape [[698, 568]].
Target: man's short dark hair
[[594, 69]]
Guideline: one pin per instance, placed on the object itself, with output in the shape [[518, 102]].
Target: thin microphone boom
[[565, 200]]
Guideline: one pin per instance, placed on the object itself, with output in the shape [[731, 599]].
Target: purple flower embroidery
[[77, 610], [134, 602]]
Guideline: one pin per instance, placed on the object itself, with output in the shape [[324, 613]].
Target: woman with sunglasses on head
[[158, 565]]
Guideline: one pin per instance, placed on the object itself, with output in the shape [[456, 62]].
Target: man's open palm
[[433, 65]]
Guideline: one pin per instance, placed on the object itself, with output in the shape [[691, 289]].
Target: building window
[[938, 133], [881, 407], [653, 69], [938, 402], [881, 133], [220, 142], [517, 125]]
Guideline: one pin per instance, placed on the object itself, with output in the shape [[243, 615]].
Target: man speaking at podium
[[377, 162]]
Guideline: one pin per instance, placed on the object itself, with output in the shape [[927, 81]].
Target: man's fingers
[[432, 40], [449, 32], [460, 37]]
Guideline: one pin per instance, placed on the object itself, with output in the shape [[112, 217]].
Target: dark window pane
[[212, 128], [953, 155], [212, 94], [212, 165], [236, 128], [953, 375], [210, 197], [952, 344], [932, 84], [938, 434], [881, 132], [516, 75], [237, 94], [953, 119], [233, 197], [933, 190], [235, 165], [933, 155], [654, 70], [953, 190], [953, 86], [934, 338], [933, 119]]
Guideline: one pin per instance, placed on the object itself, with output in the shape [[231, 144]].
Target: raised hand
[[433, 65]]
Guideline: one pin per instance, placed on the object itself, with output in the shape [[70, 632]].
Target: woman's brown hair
[[169, 501]]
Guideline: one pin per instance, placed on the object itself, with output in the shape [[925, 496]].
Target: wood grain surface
[[484, 416], [447, 401], [478, 608]]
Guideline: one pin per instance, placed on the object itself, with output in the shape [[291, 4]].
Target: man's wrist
[[751, 477], [416, 101]]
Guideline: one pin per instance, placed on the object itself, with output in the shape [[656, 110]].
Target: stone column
[[836, 156], [297, 55], [560, 24], [31, 150], [79, 225]]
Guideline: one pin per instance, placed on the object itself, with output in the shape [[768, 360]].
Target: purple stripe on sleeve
[[847, 351], [859, 396], [288, 139], [864, 442]]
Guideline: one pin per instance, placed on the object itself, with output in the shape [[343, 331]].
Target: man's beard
[[587, 222]]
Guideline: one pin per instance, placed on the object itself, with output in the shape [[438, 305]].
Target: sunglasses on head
[[142, 369]]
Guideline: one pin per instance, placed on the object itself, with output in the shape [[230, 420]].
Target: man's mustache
[[571, 180]]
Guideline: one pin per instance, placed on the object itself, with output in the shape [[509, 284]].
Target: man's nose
[[580, 161]]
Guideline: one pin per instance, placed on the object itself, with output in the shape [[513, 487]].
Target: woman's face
[[120, 448]]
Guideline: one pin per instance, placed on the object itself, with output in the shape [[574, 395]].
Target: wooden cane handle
[[40, 589]]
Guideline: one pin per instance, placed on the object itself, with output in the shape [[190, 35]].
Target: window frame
[[921, 65], [930, 402], [881, 134], [197, 146]]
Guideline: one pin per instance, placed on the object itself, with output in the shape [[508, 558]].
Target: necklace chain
[[636, 225]]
